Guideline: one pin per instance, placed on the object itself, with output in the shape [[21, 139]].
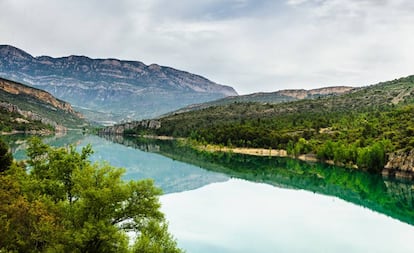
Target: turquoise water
[[236, 203]]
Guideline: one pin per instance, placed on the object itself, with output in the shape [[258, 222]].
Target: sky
[[251, 45]]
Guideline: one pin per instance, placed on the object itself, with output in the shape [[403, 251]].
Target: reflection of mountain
[[395, 199], [18, 142], [170, 175]]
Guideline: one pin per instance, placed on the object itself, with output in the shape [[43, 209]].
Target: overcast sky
[[252, 45]]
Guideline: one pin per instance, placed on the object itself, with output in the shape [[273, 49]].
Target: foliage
[[67, 204], [35, 105], [155, 239], [349, 129], [375, 192], [9, 122], [6, 158]]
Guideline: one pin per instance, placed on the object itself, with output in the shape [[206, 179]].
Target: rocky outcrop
[[400, 164], [28, 115], [17, 88], [26, 105], [122, 128], [302, 94], [111, 86]]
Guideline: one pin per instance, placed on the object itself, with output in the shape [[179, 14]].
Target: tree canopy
[[64, 203]]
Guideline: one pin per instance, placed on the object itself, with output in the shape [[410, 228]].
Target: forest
[[355, 129]]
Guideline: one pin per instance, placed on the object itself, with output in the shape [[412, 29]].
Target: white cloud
[[252, 45]]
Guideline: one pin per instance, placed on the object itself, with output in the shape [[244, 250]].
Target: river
[[239, 203]]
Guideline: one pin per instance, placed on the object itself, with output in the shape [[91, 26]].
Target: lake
[[237, 203]]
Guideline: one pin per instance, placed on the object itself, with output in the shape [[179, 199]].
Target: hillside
[[270, 97], [368, 128], [24, 108], [116, 89]]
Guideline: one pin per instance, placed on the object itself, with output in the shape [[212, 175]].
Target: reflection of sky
[[170, 175], [241, 216]]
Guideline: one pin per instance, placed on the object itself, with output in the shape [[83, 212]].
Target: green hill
[[280, 96], [26, 109], [359, 128]]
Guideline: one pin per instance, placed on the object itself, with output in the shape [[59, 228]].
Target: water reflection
[[390, 197], [169, 174]]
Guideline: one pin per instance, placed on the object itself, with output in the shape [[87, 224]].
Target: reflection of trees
[[392, 198]]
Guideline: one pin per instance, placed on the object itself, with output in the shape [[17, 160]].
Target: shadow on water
[[390, 197]]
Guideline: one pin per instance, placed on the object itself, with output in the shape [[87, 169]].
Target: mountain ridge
[[280, 96], [110, 85]]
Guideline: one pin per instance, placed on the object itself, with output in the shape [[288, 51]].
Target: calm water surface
[[236, 203]]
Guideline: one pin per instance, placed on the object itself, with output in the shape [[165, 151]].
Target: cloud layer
[[254, 46]]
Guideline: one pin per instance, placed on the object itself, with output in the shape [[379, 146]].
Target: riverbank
[[252, 151], [400, 166]]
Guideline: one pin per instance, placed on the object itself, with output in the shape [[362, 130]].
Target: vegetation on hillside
[[357, 128], [63, 203], [10, 121]]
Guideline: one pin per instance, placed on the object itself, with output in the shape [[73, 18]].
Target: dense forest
[[357, 128], [64, 203]]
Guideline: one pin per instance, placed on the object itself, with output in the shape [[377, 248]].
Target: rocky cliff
[[125, 88], [22, 106], [17, 88], [400, 164], [120, 129], [302, 94]]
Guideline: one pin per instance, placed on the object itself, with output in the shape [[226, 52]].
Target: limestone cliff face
[[400, 164], [302, 94], [121, 128], [29, 115], [16, 89], [25, 105]]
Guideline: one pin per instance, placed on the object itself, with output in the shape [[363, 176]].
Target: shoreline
[[257, 152], [397, 173]]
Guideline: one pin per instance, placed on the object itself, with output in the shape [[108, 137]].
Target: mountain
[[371, 127], [114, 88], [270, 97], [23, 108]]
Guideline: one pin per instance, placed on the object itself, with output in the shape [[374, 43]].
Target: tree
[[372, 157], [6, 158], [65, 203], [25, 225], [156, 239]]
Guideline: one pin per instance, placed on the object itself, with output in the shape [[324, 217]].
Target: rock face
[[17, 88], [121, 128], [400, 164], [36, 105], [302, 94], [110, 85]]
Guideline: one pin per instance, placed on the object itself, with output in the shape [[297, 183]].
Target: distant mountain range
[[269, 97], [27, 109], [110, 89]]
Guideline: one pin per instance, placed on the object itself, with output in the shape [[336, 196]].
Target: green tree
[[156, 239], [6, 158], [372, 157], [67, 204]]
